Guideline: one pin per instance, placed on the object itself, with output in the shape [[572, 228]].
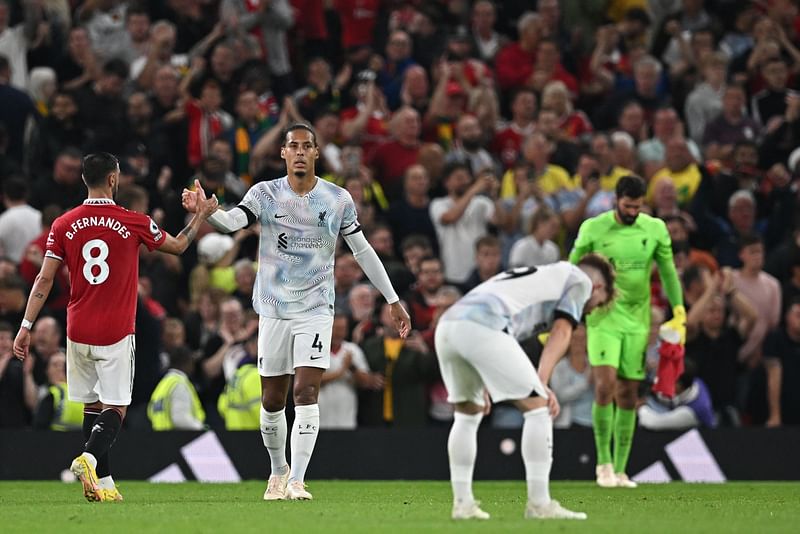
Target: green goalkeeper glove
[[678, 322]]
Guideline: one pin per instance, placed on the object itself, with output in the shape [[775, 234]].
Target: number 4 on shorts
[[317, 344]]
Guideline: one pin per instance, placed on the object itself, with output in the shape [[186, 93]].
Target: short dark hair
[[604, 267], [15, 188], [631, 186], [299, 126], [116, 67], [96, 167], [416, 240], [431, 258], [680, 247], [750, 239], [50, 213], [455, 166], [487, 241], [673, 217], [180, 357], [130, 194], [136, 8], [692, 274]]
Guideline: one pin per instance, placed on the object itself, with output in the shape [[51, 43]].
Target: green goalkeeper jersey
[[632, 250]]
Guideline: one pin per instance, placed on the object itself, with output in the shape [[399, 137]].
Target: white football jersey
[[525, 301], [297, 246]]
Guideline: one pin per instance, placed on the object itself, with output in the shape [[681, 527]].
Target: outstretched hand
[[402, 321], [192, 199]]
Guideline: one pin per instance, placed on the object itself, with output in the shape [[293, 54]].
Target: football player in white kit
[[478, 349], [301, 217]]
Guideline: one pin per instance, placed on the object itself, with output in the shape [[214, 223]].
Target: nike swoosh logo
[[313, 358], [280, 216]]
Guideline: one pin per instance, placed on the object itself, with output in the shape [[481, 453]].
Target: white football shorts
[[284, 344], [473, 356], [101, 372]]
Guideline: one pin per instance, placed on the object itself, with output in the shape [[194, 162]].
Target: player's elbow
[[43, 281]]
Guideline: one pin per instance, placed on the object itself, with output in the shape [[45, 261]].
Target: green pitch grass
[[42, 507]]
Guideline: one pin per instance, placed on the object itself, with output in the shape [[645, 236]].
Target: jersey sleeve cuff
[[50, 254], [559, 314]]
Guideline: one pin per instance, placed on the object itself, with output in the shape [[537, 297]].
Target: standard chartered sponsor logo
[[288, 242]]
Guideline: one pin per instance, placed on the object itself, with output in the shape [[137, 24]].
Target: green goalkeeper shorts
[[624, 351]]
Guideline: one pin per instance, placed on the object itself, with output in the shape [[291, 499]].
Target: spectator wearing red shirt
[[507, 142], [574, 124], [422, 299], [514, 63], [206, 120], [358, 19], [366, 122], [548, 68], [310, 27], [391, 159]]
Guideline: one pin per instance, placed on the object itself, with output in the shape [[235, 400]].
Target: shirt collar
[[98, 201]]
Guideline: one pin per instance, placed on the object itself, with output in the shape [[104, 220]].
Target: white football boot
[[470, 510], [551, 510]]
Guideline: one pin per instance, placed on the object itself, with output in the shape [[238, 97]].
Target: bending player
[[301, 217], [617, 337], [477, 347]]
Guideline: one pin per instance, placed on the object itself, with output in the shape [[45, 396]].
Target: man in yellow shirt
[[680, 169]]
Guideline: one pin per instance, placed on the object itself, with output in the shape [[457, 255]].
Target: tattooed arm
[[39, 293], [178, 244]]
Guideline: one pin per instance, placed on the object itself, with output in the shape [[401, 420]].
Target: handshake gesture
[[196, 201]]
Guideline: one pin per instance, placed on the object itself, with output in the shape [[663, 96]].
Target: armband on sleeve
[[229, 221]]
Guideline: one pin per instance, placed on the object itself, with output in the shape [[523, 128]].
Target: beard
[[626, 219], [300, 174], [471, 144]]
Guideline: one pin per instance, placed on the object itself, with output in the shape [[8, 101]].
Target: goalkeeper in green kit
[[617, 335]]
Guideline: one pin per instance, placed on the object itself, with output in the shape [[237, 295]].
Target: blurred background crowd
[[474, 136]]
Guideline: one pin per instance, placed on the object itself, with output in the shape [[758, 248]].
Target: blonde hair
[[557, 87]]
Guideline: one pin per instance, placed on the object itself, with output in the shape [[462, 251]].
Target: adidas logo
[[207, 460], [691, 458]]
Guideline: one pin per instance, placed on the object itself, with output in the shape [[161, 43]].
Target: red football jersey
[[99, 242]]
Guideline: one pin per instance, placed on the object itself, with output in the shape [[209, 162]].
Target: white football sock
[[273, 432], [537, 454], [91, 459], [106, 483], [462, 448], [304, 436]]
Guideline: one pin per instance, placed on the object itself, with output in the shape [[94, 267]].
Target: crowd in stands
[[473, 136]]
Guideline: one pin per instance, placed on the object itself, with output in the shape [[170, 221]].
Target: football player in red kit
[[99, 243]]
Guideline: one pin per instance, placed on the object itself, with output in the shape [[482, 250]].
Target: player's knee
[[306, 394], [272, 402], [604, 392], [626, 398]]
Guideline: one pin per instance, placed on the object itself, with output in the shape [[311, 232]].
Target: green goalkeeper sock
[[624, 425], [602, 422]]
